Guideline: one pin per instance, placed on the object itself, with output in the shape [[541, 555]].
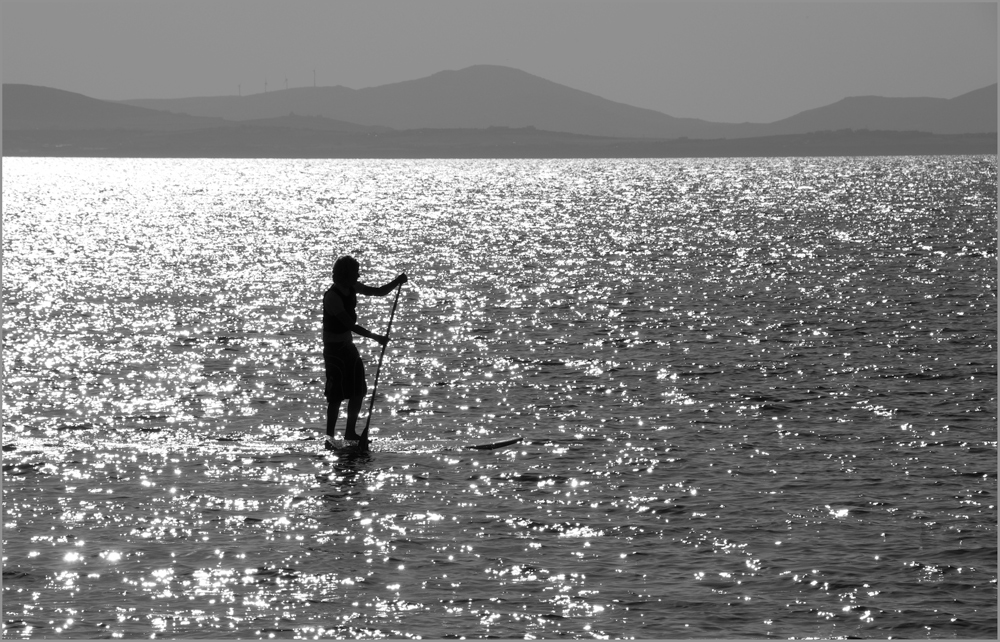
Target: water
[[759, 398]]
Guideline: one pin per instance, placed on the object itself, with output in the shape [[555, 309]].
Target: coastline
[[495, 142]]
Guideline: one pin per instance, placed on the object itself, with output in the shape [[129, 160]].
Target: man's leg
[[353, 410], [332, 410]]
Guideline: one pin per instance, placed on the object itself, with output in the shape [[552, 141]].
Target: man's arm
[[368, 290], [365, 332]]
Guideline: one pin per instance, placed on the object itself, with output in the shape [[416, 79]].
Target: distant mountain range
[[29, 107], [487, 95], [480, 111]]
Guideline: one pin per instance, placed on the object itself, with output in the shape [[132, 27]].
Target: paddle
[[378, 370]]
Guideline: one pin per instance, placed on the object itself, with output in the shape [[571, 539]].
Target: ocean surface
[[758, 398]]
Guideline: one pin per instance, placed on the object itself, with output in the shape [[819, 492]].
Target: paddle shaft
[[378, 370]]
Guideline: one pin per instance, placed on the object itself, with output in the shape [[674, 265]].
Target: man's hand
[[381, 338]]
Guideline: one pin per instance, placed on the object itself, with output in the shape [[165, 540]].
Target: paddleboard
[[390, 445], [495, 445]]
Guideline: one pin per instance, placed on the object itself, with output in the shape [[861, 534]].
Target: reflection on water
[[758, 398]]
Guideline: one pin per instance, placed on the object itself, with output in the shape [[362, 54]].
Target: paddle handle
[[378, 370]]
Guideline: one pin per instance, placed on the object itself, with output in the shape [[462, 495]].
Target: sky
[[744, 61]]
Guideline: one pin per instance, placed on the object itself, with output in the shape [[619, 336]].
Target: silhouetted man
[[345, 372]]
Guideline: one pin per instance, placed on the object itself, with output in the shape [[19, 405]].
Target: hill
[[317, 123], [490, 95], [974, 112], [248, 141], [40, 121], [29, 107], [472, 98]]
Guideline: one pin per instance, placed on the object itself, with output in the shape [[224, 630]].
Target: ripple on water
[[758, 397]]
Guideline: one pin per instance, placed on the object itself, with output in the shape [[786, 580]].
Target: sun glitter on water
[[757, 396]]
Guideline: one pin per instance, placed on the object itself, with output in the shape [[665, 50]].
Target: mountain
[[39, 121], [474, 97], [28, 107], [250, 141], [317, 123], [974, 112], [489, 95]]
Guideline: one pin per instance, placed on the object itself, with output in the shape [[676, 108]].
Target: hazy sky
[[729, 62]]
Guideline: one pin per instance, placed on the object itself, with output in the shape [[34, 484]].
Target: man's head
[[346, 270]]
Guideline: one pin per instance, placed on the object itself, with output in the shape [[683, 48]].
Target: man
[[345, 372]]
